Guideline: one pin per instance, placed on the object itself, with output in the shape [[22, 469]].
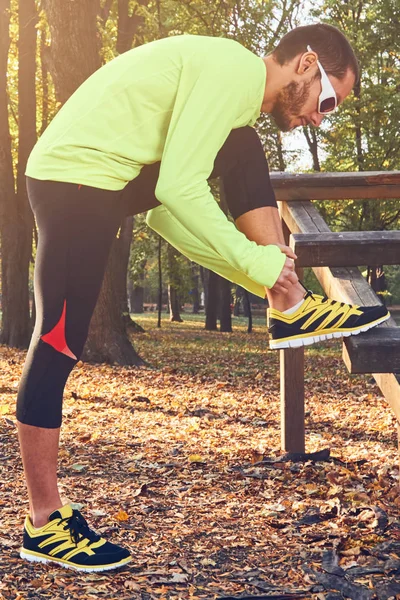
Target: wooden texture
[[292, 400], [344, 284], [377, 350], [335, 186], [292, 390], [372, 248]]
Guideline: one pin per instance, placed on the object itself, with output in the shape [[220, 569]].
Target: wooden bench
[[340, 282]]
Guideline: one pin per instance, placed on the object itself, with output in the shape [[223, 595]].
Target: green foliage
[[363, 135]]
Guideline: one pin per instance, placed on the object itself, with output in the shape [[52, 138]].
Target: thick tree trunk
[[7, 200], [212, 301], [109, 342], [74, 53], [128, 24], [174, 306], [16, 216], [136, 297], [73, 56]]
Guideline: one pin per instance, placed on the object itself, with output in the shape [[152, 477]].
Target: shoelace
[[79, 528], [324, 298]]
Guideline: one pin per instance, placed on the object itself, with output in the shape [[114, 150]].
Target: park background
[[174, 446]]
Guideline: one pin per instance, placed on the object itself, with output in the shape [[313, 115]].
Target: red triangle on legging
[[56, 337]]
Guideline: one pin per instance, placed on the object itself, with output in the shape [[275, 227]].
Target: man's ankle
[[282, 303], [39, 518]]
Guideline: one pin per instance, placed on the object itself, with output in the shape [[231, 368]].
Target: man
[[146, 131]]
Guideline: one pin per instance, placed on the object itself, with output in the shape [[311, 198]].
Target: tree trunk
[[238, 301], [279, 147], [174, 307], [74, 53], [225, 313], [123, 250], [136, 298], [7, 200], [195, 289], [45, 82], [358, 131], [122, 247], [212, 301], [173, 286], [224, 286], [247, 304], [136, 290], [15, 215], [73, 56], [159, 282], [312, 142], [204, 274], [128, 24], [377, 280]]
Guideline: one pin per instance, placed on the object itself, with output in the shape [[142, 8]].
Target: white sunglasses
[[327, 101]]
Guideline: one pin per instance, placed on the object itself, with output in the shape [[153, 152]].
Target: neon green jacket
[[174, 100]]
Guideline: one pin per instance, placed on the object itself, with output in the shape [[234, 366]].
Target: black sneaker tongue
[[62, 513]]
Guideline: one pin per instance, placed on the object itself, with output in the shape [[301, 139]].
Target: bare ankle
[[281, 302], [39, 518]]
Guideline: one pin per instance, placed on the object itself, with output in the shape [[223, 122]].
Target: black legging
[[76, 228]]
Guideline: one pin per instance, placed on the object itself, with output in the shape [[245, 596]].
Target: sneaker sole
[[33, 556], [309, 339]]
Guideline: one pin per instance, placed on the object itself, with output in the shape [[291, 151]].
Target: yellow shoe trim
[[33, 556]]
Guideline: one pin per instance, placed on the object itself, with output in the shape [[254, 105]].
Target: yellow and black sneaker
[[320, 318], [68, 541]]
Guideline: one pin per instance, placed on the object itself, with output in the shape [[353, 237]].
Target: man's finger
[[286, 250]]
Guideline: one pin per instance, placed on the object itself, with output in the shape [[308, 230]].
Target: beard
[[289, 103]]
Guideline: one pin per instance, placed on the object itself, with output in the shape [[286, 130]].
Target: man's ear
[[307, 61]]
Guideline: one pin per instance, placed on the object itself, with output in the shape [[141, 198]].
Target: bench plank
[[283, 179], [377, 347], [351, 248], [338, 193], [335, 186]]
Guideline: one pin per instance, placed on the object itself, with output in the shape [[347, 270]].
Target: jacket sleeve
[[215, 95], [175, 233]]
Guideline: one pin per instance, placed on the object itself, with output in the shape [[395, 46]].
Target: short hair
[[333, 48]]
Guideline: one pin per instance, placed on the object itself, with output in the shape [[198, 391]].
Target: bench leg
[[292, 391], [292, 400]]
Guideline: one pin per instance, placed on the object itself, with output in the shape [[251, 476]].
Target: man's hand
[[288, 277]]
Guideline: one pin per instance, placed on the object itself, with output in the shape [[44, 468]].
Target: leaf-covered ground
[[180, 462]]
